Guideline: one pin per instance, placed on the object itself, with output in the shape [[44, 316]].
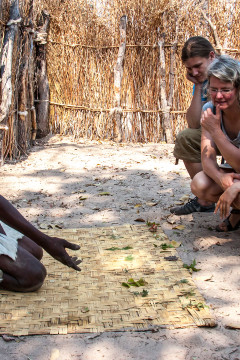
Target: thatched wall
[[82, 50], [82, 53]]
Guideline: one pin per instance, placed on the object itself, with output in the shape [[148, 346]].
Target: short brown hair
[[196, 46]]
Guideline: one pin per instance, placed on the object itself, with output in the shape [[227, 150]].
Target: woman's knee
[[23, 274], [199, 185], [33, 280]]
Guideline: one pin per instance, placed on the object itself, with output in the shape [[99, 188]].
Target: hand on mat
[[56, 248]]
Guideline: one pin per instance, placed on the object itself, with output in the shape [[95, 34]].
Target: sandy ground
[[59, 185]]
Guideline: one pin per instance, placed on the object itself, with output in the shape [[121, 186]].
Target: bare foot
[[232, 222]]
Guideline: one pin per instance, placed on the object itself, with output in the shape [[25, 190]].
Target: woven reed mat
[[94, 300]]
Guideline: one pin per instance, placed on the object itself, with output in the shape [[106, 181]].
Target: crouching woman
[[221, 136]]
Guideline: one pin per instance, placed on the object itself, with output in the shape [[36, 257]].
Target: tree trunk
[[31, 77], [118, 73], [163, 94], [42, 91], [172, 71], [23, 97], [6, 69], [173, 65]]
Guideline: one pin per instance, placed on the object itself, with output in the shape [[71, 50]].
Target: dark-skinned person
[[21, 249]]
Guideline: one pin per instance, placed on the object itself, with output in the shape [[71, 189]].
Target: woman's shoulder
[[208, 105]]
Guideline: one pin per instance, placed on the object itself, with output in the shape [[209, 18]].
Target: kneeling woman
[[21, 251], [221, 136]]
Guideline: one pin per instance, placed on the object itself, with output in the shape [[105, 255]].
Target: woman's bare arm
[[54, 246]]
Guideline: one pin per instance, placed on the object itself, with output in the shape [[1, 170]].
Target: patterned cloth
[[9, 243]]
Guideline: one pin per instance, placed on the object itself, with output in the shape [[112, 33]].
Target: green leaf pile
[[166, 246], [191, 266], [117, 248], [143, 293], [129, 258], [132, 282]]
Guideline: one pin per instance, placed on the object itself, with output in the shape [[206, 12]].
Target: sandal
[[227, 223]]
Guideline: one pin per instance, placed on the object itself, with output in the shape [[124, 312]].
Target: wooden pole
[[163, 94], [42, 92], [6, 69], [215, 34], [31, 77], [118, 73], [23, 96], [173, 65]]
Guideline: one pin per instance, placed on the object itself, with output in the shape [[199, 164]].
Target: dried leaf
[[132, 282], [113, 248], [171, 220], [81, 198], [191, 266], [141, 282], [127, 248], [8, 338], [143, 293], [117, 248], [188, 294], [182, 281], [179, 227], [85, 309], [137, 205], [184, 198], [129, 258], [151, 203], [171, 258], [43, 226], [125, 284], [175, 244], [233, 325], [153, 228], [139, 220], [165, 246], [104, 193]]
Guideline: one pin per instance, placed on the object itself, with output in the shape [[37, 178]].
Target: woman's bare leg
[[205, 188]]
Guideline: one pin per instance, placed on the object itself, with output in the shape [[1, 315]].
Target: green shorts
[[188, 145]]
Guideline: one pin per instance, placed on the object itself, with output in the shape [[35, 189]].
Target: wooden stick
[[42, 107], [81, 107], [215, 34], [163, 95], [118, 73]]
